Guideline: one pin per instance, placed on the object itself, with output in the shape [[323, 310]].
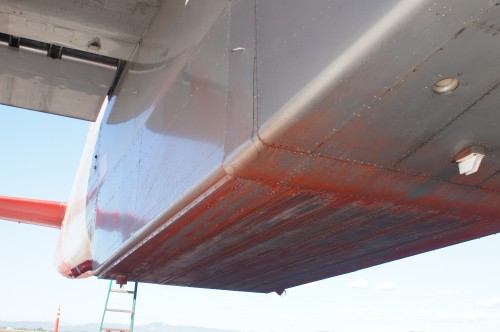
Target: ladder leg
[[106, 304], [132, 315]]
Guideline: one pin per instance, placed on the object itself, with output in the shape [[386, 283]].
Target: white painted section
[[74, 245]]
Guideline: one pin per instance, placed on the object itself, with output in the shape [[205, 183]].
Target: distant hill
[[152, 327]]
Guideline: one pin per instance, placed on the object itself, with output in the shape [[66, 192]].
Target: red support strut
[[32, 211]]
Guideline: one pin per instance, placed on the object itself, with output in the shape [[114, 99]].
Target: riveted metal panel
[[241, 71], [30, 79], [169, 149], [328, 64], [475, 126], [310, 36], [119, 25], [216, 203], [410, 113]]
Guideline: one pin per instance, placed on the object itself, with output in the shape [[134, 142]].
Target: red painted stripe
[[31, 211]]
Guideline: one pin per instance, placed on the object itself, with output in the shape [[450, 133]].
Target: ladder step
[[119, 310], [129, 310], [122, 291]]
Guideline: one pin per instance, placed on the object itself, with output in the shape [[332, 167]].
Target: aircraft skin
[[260, 145]]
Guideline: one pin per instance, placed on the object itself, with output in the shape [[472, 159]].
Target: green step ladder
[[130, 311]]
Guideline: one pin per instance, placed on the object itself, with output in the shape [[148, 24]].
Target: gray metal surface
[[280, 142], [415, 113], [109, 28], [119, 25], [352, 63], [68, 86], [168, 115], [241, 71]]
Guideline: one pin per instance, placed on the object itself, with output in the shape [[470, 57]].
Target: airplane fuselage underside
[[263, 145], [260, 145]]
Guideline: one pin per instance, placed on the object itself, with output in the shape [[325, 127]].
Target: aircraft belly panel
[[416, 114], [265, 155], [493, 183], [475, 124], [285, 67], [329, 69], [257, 237]]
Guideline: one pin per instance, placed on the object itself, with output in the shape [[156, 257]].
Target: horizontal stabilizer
[[31, 211]]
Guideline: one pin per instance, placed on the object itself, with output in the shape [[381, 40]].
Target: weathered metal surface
[[68, 86], [240, 81], [119, 25], [169, 128], [276, 143], [327, 65], [415, 112], [253, 237], [493, 183], [475, 124]]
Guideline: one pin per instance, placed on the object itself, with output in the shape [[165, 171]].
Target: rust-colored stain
[[252, 236]]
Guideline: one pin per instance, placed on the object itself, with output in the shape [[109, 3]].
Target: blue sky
[[455, 289]]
